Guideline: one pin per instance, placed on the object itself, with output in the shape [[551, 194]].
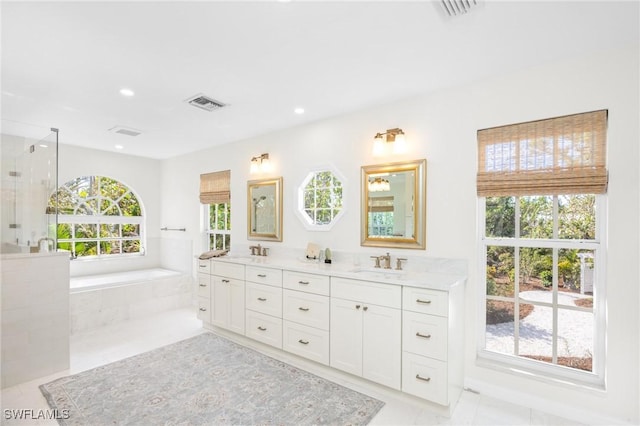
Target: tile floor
[[111, 343]]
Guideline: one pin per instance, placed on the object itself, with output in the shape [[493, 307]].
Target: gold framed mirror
[[393, 205], [264, 209]]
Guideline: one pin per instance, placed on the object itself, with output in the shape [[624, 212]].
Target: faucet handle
[[377, 259], [399, 263]]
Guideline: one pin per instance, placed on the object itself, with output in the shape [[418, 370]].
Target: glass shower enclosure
[[29, 168]]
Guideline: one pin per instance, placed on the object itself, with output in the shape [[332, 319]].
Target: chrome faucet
[[50, 243], [258, 250], [387, 261]]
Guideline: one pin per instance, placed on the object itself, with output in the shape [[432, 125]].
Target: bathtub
[[106, 299]]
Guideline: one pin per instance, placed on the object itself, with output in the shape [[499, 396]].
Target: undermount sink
[[380, 271]]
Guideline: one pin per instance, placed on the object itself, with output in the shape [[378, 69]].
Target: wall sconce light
[[260, 164], [378, 184], [391, 136]]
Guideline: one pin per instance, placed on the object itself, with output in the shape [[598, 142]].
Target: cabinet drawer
[[230, 270], [425, 378], [264, 298], [306, 341], [204, 285], [425, 335], [204, 266], [310, 283], [264, 328], [367, 292], [425, 301], [262, 275], [305, 308], [204, 309]]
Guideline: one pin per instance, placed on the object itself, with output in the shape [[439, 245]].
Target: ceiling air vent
[[128, 131], [458, 7], [204, 102]]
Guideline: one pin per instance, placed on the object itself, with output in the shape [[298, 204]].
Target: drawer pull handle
[[203, 266], [427, 379], [357, 306], [262, 299], [304, 342], [303, 282], [426, 336], [364, 308], [426, 302], [262, 275], [261, 328], [225, 281], [303, 309], [203, 310], [203, 285]]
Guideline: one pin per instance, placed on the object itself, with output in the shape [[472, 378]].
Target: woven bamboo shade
[[215, 187], [563, 155], [381, 204]]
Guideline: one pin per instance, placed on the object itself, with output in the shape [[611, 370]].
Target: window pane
[[536, 217], [132, 246], [577, 216], [110, 230], [500, 271], [64, 231], [500, 217], [536, 334], [110, 247], [129, 205], [499, 336], [112, 189], [323, 179], [536, 273], [309, 199], [130, 230], [575, 277], [227, 242], [323, 199], [323, 216], [86, 248], [575, 339], [86, 231], [66, 202]]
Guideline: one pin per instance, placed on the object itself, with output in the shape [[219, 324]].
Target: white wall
[[142, 175], [441, 127]]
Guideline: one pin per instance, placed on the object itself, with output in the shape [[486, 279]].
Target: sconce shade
[[392, 138], [260, 164]]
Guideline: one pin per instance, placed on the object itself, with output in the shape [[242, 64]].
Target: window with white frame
[[98, 217], [215, 196], [542, 189], [218, 226]]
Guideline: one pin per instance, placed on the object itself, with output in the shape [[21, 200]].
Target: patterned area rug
[[205, 380]]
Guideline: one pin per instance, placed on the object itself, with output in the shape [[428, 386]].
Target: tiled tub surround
[[99, 300], [402, 329], [35, 315]]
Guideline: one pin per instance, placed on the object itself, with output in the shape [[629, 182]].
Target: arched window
[[98, 217]]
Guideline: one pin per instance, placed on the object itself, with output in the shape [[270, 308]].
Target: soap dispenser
[[327, 255]]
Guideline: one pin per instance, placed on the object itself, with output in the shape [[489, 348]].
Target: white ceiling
[[63, 63]]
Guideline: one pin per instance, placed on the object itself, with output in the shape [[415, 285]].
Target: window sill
[[546, 374]]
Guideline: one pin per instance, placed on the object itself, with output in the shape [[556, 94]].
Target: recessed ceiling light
[[127, 92], [119, 147], [299, 110]]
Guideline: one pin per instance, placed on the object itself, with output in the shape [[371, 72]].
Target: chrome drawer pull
[[203, 310], [261, 328], [426, 336], [303, 282], [357, 306], [364, 308], [203, 266], [262, 275], [225, 281], [428, 379], [304, 342], [423, 301], [303, 309], [262, 299], [203, 285]]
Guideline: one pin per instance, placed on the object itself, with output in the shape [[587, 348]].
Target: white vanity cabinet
[[366, 329], [264, 305], [227, 296], [432, 343], [306, 315]]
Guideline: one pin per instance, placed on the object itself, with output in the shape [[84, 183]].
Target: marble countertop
[[409, 277]]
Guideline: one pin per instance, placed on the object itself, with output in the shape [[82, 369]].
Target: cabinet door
[[346, 336], [236, 306], [220, 303], [382, 345]]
